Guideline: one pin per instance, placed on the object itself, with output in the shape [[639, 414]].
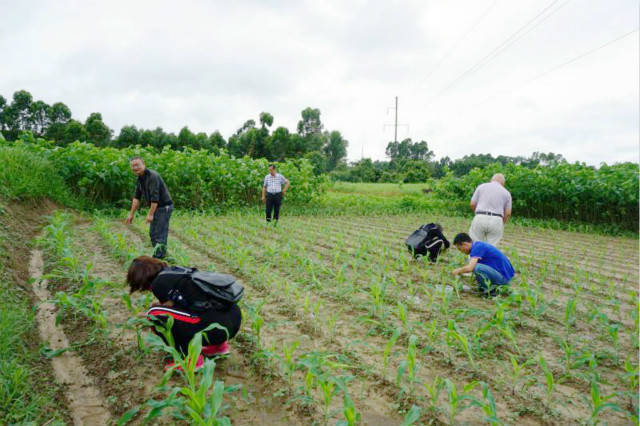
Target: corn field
[[342, 326]]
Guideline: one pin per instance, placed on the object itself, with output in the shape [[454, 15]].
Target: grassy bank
[[28, 392]]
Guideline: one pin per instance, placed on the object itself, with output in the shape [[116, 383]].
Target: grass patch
[[28, 392]]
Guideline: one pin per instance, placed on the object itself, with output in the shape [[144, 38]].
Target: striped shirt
[[273, 184]]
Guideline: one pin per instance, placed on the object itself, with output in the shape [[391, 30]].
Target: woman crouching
[[186, 295]]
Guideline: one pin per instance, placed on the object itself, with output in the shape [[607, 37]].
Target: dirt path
[[85, 402]]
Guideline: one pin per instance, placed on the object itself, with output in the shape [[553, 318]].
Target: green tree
[[74, 131], [280, 145], [17, 116], [266, 119], [318, 160], [364, 171], [239, 142], [147, 138], [335, 149], [3, 106], [59, 115], [201, 141], [39, 117], [310, 129], [186, 138], [129, 136], [216, 142], [408, 150], [97, 132]]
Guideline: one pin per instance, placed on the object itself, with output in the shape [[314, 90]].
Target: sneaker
[[216, 350], [199, 364]]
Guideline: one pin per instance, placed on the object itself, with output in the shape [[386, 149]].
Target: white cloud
[[213, 65]]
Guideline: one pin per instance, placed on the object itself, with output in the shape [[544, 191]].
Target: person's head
[[137, 165], [142, 271], [498, 177], [463, 242], [272, 169]]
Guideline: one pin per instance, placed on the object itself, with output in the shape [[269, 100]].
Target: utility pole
[[395, 134], [395, 124]]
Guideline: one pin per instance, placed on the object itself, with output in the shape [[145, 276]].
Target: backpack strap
[[178, 315]]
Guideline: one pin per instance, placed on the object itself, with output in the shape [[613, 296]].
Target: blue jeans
[[488, 278]]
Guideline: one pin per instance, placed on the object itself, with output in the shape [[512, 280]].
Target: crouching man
[[490, 267]]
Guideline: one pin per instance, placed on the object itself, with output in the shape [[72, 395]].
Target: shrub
[[575, 192]]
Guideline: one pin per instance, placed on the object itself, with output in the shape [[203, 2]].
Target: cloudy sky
[[474, 76]]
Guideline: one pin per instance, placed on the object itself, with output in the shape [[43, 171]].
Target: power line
[[453, 47], [518, 34], [563, 64]]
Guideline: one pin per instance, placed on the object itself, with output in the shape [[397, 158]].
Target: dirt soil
[[85, 401], [22, 221]]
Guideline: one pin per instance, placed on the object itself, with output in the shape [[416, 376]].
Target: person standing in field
[[152, 188], [272, 192], [491, 203], [490, 267]]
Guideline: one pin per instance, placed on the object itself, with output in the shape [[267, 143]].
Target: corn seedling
[[457, 400], [433, 392], [599, 402], [548, 375]]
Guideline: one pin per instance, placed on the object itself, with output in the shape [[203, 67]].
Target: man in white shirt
[[491, 203], [272, 192]]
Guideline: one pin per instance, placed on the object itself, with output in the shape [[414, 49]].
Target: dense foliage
[[25, 175], [575, 192], [325, 149], [412, 162], [195, 178]]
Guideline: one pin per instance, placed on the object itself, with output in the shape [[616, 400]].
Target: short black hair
[[136, 157], [462, 237], [272, 166]]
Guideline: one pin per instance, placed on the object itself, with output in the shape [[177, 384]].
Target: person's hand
[[283, 192], [129, 219], [149, 218], [455, 272], [264, 199]]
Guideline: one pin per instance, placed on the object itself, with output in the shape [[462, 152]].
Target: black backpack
[[206, 290], [426, 239]]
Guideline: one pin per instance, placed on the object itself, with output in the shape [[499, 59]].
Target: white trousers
[[486, 228]]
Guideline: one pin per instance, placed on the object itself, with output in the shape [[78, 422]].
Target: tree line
[[409, 161], [326, 150], [413, 162]]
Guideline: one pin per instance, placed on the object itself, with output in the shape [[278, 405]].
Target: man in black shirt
[[152, 188]]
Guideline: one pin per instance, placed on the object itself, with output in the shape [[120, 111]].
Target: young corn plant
[[519, 372], [202, 398], [599, 403], [570, 314], [351, 415], [456, 337], [433, 393], [328, 390], [457, 400], [488, 406], [412, 416], [288, 362], [549, 379], [387, 349]]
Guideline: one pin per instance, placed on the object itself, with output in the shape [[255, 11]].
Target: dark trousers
[[273, 203], [186, 325], [159, 230]]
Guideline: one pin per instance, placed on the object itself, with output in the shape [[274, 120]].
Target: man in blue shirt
[[489, 265]]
